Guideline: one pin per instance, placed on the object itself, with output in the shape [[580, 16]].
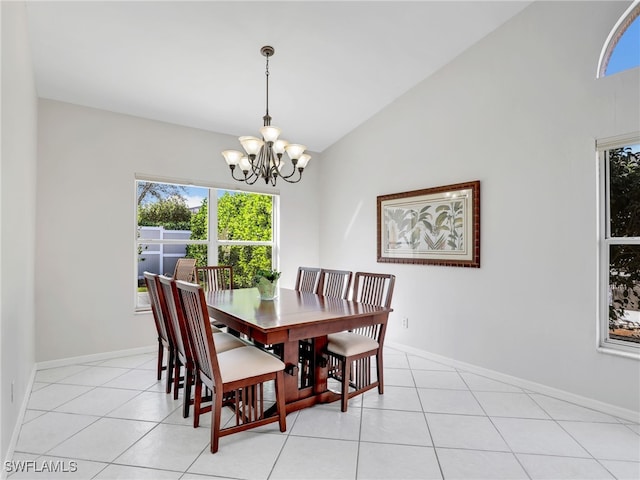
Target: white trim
[[20, 420], [239, 187], [275, 232], [613, 410], [618, 350], [212, 232], [63, 362], [250, 243], [618, 141]]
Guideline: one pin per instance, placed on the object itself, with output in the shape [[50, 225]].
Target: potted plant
[[265, 281]]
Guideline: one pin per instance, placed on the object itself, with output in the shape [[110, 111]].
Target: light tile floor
[[112, 419]]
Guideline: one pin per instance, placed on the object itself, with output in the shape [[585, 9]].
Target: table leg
[[321, 373], [290, 359]]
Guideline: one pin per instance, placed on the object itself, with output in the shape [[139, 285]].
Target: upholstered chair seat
[[349, 344]]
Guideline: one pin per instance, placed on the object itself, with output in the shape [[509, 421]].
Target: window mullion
[[212, 225]]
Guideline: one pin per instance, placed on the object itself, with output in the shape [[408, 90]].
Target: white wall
[[519, 111], [86, 176], [17, 216]]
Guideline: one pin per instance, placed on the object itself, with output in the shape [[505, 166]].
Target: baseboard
[[94, 357], [16, 429], [61, 363], [603, 407]]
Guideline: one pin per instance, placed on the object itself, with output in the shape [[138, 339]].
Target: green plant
[[172, 213], [271, 275]]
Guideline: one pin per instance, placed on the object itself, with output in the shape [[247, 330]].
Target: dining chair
[[307, 279], [350, 352], [334, 283], [236, 377], [183, 351], [215, 277], [331, 284], [164, 329], [185, 269]]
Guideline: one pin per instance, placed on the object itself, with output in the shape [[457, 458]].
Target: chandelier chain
[[266, 74]]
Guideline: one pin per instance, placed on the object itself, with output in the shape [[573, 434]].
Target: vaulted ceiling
[[199, 64]]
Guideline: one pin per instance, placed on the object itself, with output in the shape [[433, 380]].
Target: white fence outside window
[[157, 256]]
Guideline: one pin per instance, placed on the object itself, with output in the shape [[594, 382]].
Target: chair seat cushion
[[246, 362], [226, 341], [349, 343]]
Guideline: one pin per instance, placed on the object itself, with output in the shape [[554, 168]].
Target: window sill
[[620, 351]]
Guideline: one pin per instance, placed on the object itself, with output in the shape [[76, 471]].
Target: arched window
[[621, 51]]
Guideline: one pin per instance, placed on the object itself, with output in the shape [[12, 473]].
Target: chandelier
[[263, 157]]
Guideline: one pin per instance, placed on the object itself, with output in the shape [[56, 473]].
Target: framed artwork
[[438, 226]]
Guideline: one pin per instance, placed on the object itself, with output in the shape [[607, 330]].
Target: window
[[245, 234], [621, 51], [619, 269], [173, 222]]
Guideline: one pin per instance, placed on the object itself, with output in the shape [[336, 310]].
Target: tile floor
[[111, 419]]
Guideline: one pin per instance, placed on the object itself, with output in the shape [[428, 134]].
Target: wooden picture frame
[[437, 226]]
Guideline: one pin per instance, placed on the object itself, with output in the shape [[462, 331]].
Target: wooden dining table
[[281, 323]]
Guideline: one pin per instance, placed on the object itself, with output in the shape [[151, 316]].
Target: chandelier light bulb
[[269, 133], [294, 150], [303, 160], [245, 164], [232, 157], [279, 146], [251, 145]]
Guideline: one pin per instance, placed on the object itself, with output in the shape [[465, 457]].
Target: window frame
[[616, 33], [606, 344], [212, 241]]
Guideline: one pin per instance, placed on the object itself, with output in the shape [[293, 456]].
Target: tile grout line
[[424, 414], [514, 454]]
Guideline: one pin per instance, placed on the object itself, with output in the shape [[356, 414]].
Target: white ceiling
[[198, 63]]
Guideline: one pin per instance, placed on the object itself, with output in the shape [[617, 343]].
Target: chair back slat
[[308, 279], [171, 300], [335, 283], [197, 320], [373, 288], [156, 308], [185, 269], [215, 277]]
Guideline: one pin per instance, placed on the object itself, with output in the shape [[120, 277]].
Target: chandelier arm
[[263, 166], [293, 172], [253, 176], [251, 179], [286, 179], [233, 175]]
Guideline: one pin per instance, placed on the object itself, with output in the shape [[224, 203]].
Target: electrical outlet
[[405, 322]]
